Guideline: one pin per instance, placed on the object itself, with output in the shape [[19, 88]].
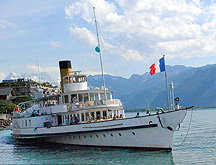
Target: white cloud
[[5, 24], [2, 26], [55, 43], [83, 35], [138, 29]]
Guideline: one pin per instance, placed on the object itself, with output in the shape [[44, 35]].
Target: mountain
[[44, 77], [12, 76], [194, 86]]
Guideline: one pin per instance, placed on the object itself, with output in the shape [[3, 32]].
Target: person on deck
[[137, 115], [76, 120], [72, 120], [66, 121], [89, 118]]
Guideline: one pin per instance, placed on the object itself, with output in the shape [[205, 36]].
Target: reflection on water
[[199, 148]]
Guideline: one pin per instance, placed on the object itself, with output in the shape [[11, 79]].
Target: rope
[[161, 122], [187, 131]]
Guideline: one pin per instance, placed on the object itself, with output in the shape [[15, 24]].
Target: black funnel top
[[64, 64]]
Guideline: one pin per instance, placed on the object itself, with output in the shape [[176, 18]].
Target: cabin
[[6, 93]]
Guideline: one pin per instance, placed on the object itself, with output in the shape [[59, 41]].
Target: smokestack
[[65, 69]]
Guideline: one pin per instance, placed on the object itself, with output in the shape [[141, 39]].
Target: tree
[[18, 100], [6, 108], [10, 108], [2, 106]]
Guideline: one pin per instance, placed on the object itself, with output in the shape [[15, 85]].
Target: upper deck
[[75, 82]]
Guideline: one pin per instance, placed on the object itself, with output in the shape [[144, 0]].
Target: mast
[[99, 50], [166, 84], [38, 72], [172, 96]]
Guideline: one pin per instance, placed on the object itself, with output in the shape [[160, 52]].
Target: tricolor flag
[[17, 108], [158, 66]]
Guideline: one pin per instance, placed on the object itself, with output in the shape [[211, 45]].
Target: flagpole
[[166, 84]]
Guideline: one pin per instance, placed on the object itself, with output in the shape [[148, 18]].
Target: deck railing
[[115, 102]]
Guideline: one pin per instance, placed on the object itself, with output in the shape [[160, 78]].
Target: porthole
[[90, 136], [119, 134], [104, 135], [97, 136], [133, 133], [74, 137], [79, 137], [111, 135], [150, 122], [84, 136]]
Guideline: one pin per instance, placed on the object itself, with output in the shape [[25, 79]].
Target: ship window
[[111, 135], [73, 98], [104, 135], [91, 97], [26, 123], [84, 136], [82, 116], [78, 117], [96, 96], [30, 123], [87, 115], [86, 97], [104, 114], [97, 136], [102, 96], [90, 136], [108, 95], [66, 80], [98, 115], [133, 133], [119, 134], [59, 120], [92, 114], [80, 97], [66, 98]]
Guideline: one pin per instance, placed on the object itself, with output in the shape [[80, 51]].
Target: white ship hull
[[154, 132]]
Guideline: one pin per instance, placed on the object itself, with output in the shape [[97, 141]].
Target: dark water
[[199, 148]]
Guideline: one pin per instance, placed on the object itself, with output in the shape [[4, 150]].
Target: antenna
[[99, 50], [38, 72]]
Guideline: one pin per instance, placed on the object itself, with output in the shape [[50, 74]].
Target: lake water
[[198, 148]]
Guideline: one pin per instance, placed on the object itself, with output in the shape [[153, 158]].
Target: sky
[[133, 35]]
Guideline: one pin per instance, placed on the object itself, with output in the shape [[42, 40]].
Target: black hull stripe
[[127, 147], [87, 131], [35, 141]]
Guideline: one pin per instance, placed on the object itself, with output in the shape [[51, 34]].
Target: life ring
[[176, 99]]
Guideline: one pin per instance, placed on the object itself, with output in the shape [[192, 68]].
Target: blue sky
[[133, 34]]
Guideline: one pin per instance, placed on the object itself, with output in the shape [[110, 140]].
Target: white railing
[[115, 102]]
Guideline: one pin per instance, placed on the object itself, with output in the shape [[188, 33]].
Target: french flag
[[158, 66]]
